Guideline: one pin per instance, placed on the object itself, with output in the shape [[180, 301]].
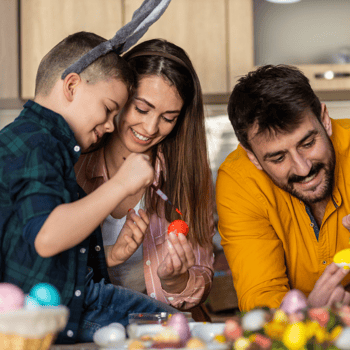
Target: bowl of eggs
[[30, 321]]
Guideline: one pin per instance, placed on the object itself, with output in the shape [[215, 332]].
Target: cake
[[24, 323]]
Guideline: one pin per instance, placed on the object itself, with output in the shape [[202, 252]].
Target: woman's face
[[149, 116]]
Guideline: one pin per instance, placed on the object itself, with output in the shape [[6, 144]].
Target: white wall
[[306, 32]]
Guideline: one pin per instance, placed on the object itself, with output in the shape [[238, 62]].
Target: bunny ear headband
[[148, 13]]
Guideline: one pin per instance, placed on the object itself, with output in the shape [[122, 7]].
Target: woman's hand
[[173, 270], [129, 239]]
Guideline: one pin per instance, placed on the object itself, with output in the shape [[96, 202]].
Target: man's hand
[[328, 289], [346, 222], [129, 239], [173, 270]]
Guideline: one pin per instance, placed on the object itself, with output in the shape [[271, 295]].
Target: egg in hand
[[342, 259]]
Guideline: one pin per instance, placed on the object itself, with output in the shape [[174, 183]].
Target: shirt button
[[148, 262], [76, 148], [170, 298], [70, 334], [153, 295], [324, 262], [312, 225], [97, 248], [82, 250], [77, 293]]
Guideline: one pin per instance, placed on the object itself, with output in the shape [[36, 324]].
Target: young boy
[[46, 230]]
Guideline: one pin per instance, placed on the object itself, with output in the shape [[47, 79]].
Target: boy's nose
[[109, 125]]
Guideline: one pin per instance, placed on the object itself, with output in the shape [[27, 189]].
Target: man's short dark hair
[[274, 98]]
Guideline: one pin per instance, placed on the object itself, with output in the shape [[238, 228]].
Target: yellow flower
[[280, 316], [335, 332], [295, 336], [275, 330]]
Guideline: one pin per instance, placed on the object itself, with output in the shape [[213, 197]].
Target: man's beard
[[327, 186]]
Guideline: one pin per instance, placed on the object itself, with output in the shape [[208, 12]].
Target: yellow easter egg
[[295, 337], [342, 258]]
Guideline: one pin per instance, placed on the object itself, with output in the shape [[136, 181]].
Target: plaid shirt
[[37, 153]]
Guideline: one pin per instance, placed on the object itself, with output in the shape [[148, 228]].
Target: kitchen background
[[224, 38]]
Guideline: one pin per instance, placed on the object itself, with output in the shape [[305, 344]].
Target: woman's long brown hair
[[185, 176]]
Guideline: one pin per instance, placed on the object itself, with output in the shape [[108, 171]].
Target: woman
[[165, 120]]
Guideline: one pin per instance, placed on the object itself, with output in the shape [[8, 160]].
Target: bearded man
[[283, 196]]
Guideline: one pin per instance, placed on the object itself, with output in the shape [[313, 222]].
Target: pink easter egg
[[293, 302], [11, 297], [179, 323]]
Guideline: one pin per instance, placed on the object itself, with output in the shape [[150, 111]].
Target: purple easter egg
[[293, 302], [179, 323]]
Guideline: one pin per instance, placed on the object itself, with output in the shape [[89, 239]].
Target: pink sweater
[[91, 172]]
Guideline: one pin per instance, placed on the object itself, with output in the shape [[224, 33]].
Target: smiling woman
[[164, 119]]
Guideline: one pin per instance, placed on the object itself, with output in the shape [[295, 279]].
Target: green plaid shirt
[[37, 153]]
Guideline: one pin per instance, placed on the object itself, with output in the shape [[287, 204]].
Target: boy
[[45, 228]]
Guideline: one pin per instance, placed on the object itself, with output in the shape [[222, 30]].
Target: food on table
[[296, 327], [293, 302], [11, 297], [179, 323], [110, 336], [167, 338], [342, 258], [45, 294], [26, 325], [195, 343], [178, 226]]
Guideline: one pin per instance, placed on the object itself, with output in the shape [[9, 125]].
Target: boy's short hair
[[68, 51]]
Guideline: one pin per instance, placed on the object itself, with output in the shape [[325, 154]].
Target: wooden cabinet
[[216, 34], [44, 23]]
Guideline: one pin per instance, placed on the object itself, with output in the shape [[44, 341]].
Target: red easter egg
[[178, 226]]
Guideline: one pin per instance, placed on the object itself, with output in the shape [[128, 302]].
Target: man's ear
[[326, 120], [70, 82], [252, 158]]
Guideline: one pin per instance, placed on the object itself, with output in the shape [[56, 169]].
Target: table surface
[[86, 346]]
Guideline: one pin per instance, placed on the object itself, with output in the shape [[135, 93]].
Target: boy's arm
[[70, 223]]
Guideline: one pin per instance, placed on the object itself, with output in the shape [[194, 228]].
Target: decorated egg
[[342, 258], [254, 320], [45, 294], [179, 323], [178, 226], [11, 297], [110, 336], [30, 303], [293, 302]]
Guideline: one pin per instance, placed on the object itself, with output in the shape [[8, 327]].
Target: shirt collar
[[56, 124], [96, 166]]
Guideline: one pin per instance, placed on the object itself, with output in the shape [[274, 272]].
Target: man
[[283, 196]]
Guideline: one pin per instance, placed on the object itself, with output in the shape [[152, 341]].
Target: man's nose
[[301, 165]]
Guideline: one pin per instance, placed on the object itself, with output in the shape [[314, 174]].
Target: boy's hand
[[135, 173], [173, 270], [129, 239]]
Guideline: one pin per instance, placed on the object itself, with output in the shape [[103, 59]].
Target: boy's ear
[[253, 158], [70, 82], [326, 120]]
